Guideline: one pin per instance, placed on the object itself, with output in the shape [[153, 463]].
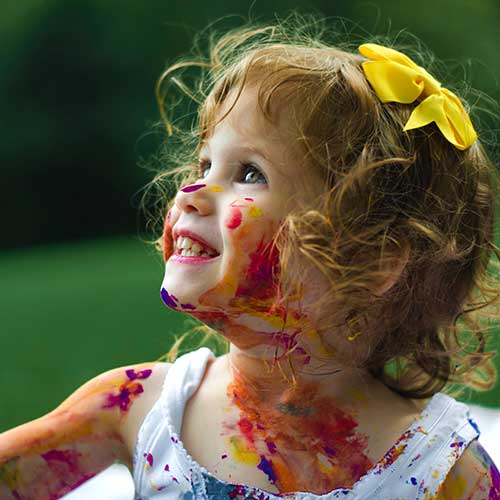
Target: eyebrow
[[242, 149]]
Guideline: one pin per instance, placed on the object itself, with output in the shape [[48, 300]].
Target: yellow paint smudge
[[454, 486], [435, 474], [354, 336], [242, 453], [254, 211], [359, 396], [324, 465], [216, 189]]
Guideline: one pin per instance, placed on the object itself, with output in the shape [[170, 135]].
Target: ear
[[394, 271]]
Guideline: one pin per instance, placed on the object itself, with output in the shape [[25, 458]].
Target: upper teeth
[[189, 247]]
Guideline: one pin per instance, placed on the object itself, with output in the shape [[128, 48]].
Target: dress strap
[[181, 382]]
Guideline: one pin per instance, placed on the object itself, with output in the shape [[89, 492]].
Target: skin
[[49, 457], [299, 426], [290, 423]]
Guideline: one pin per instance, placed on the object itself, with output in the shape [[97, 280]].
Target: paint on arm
[[474, 477], [52, 455]]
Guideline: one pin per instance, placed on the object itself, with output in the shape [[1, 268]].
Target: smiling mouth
[[190, 247]]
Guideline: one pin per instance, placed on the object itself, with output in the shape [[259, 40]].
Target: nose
[[195, 197]]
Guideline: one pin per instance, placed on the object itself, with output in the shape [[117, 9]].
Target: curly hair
[[389, 195]]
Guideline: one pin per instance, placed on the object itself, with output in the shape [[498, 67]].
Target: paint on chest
[[303, 442]]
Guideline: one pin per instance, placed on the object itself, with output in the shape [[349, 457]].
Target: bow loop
[[396, 78]]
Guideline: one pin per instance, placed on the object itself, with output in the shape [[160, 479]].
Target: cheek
[[168, 244]]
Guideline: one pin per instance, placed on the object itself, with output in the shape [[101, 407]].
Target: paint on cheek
[[168, 244], [234, 219], [169, 300], [215, 189], [254, 211], [192, 187], [261, 280]]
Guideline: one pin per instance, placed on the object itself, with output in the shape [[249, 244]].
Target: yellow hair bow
[[396, 78]]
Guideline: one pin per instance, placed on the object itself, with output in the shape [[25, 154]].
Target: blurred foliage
[[77, 98]]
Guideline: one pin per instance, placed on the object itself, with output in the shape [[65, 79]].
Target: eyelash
[[204, 164]]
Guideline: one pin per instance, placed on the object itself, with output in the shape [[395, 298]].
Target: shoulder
[[473, 477], [119, 399], [89, 431]]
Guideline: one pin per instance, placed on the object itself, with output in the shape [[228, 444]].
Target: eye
[[252, 173], [202, 166], [248, 173]]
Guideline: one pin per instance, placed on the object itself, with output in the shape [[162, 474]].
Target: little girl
[[334, 225]]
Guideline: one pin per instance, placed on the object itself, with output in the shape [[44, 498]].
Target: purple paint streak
[[188, 306], [128, 390], [266, 466], [271, 446], [192, 187], [495, 483], [141, 375], [168, 299], [329, 451]]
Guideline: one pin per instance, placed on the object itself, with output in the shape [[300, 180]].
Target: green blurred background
[[79, 288]]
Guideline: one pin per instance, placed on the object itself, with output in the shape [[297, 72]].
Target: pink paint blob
[[234, 219]]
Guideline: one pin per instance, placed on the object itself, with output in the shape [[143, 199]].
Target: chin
[[181, 292]]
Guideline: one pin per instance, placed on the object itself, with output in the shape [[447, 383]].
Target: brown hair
[[388, 194]]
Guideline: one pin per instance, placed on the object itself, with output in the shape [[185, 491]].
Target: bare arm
[[48, 457], [474, 477]]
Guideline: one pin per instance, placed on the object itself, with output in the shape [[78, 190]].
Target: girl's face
[[250, 175]]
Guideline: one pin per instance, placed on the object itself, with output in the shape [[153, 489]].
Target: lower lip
[[192, 260]]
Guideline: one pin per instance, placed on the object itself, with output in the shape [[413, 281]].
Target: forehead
[[245, 125], [245, 128]]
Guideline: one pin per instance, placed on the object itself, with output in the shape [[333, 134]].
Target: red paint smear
[[323, 429], [149, 458], [68, 457], [396, 450], [246, 428], [249, 199], [262, 278], [234, 219], [214, 320], [63, 464]]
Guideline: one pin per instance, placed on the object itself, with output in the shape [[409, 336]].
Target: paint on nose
[[192, 187]]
